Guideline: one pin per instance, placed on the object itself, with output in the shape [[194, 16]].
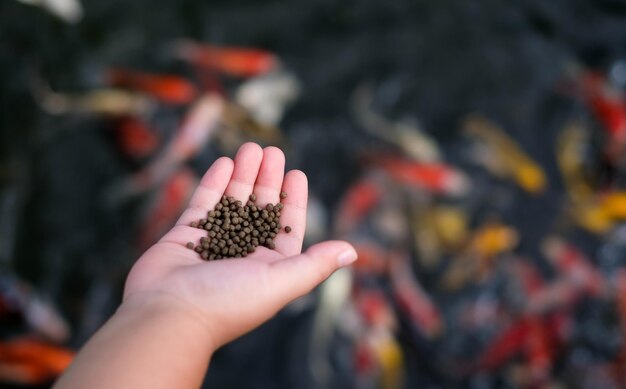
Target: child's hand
[[232, 296]]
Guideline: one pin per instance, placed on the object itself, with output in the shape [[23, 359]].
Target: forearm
[[150, 342]]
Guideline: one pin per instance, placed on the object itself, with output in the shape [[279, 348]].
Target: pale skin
[[177, 309]]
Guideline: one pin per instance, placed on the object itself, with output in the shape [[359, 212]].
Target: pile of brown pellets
[[235, 230]]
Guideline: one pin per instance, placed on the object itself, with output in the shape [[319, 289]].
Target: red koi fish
[[436, 178], [31, 362], [200, 124], [169, 203], [169, 89], [413, 299], [135, 138], [233, 61], [358, 201], [534, 338], [608, 104]]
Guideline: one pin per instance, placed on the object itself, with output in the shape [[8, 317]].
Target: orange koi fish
[[30, 362], [169, 203], [436, 178], [168, 89], [233, 61], [359, 200]]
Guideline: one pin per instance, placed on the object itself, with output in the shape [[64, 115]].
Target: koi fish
[[534, 338], [40, 315], [168, 89], [167, 206], [31, 362], [601, 213], [70, 11], [135, 138], [608, 104], [476, 260], [389, 357], [106, 102], [379, 355], [569, 155], [503, 157], [574, 266], [373, 259], [413, 299], [334, 295], [493, 238], [436, 178], [437, 230], [415, 143], [241, 121], [316, 221], [233, 61], [200, 124], [359, 200], [267, 96]]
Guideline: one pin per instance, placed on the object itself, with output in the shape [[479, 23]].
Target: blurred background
[[472, 151]]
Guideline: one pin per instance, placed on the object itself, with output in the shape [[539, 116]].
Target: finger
[[293, 214], [270, 179], [209, 191], [247, 163], [296, 276]]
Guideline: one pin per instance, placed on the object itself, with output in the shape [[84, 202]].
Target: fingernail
[[347, 257]]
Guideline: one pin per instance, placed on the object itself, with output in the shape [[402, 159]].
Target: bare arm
[[178, 309]]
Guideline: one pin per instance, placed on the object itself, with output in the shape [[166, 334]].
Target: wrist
[[184, 320]]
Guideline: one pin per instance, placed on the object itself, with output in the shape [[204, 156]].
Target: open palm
[[233, 296]]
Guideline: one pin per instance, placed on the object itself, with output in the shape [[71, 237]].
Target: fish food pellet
[[235, 229]]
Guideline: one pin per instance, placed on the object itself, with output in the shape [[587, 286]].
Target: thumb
[[296, 276]]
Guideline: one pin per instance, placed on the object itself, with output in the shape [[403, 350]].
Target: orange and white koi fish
[[233, 61], [574, 266], [169, 89], [413, 299], [170, 201], [199, 126], [435, 178]]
